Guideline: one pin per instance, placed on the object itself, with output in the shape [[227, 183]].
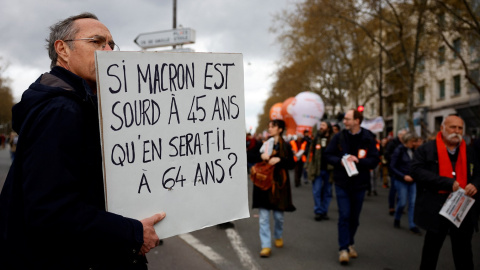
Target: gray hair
[[64, 30], [409, 136], [445, 118]]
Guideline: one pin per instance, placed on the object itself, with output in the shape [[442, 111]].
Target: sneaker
[[279, 243], [416, 231], [391, 211], [343, 257], [318, 217], [396, 223], [352, 252], [265, 252]]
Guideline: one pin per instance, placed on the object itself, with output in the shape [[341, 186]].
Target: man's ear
[[62, 49]]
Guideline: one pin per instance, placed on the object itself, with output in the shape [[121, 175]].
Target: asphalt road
[[308, 244]]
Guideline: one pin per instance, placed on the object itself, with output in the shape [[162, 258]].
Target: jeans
[[349, 207], [405, 192], [264, 220], [322, 192]]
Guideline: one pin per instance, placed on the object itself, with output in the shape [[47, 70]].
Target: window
[[441, 55], [457, 46], [473, 45], [475, 75], [438, 122], [456, 85], [441, 19], [421, 64], [441, 89], [421, 94]]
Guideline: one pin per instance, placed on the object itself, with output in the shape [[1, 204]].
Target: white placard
[[173, 137]]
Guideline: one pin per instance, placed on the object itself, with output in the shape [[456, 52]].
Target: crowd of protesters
[[318, 157]]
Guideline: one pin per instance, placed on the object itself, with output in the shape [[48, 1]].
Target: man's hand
[[455, 186], [408, 178], [150, 238], [470, 190], [352, 158]]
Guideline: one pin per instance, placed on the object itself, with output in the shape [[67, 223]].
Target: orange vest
[[293, 143]]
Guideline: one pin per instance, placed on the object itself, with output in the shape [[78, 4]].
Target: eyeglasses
[[99, 42]]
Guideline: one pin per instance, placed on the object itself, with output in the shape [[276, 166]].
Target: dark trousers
[[298, 172], [349, 207], [461, 239], [392, 195]]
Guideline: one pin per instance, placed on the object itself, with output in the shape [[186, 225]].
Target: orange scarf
[[445, 165]]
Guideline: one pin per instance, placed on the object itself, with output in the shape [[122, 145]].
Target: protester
[[383, 163], [439, 167], [13, 141], [299, 145], [336, 128], [391, 146], [52, 206], [372, 187], [253, 146], [3, 138], [404, 183], [319, 172], [308, 139], [358, 145], [278, 198]]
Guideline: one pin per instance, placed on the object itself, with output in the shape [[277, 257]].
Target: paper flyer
[[457, 206]]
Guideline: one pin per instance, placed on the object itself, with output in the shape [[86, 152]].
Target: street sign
[[166, 38]]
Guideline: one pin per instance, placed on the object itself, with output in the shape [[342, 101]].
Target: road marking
[[242, 251], [205, 250]]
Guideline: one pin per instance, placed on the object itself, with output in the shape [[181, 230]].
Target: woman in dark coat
[[404, 183], [279, 197]]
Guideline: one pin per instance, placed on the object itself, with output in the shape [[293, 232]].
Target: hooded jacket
[[52, 206]]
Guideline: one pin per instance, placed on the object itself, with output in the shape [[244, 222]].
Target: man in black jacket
[[52, 206], [360, 146], [440, 167]]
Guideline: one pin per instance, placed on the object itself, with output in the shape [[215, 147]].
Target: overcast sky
[[232, 26]]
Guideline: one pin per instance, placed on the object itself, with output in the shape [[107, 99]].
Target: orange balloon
[[287, 116], [275, 111]]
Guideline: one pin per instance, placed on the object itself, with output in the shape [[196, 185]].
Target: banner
[[173, 137], [374, 125]]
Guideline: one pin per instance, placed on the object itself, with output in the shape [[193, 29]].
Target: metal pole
[[174, 17]]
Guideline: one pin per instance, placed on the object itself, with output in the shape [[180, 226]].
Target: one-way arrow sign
[[166, 38]]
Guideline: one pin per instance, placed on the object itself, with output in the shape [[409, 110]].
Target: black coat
[[280, 198], [400, 163], [425, 171], [52, 206], [340, 145]]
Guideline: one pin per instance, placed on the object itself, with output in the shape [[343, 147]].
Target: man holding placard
[[52, 207]]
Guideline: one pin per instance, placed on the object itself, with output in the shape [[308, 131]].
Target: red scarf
[[445, 165]]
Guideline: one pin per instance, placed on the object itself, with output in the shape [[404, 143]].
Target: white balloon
[[307, 109]]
